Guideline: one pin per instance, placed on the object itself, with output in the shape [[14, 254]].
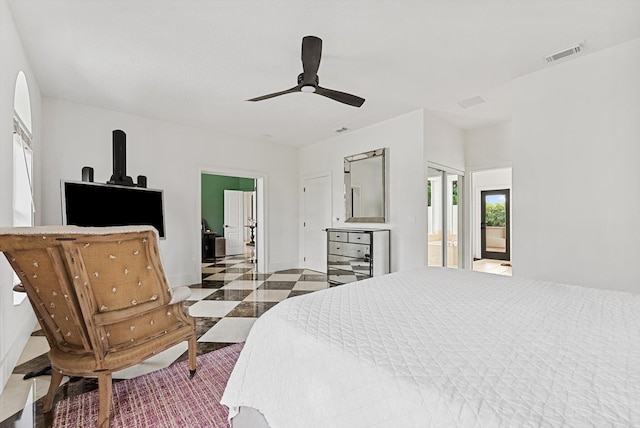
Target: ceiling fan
[[308, 79]]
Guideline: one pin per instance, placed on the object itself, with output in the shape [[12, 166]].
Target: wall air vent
[[473, 101], [566, 52]]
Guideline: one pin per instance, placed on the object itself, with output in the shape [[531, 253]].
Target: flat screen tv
[[93, 204]]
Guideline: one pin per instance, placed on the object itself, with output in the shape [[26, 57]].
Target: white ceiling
[[194, 62]]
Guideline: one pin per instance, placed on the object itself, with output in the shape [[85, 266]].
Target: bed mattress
[[442, 348]]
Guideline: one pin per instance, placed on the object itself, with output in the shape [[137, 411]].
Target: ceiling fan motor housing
[[302, 82]]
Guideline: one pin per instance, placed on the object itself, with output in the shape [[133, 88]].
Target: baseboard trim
[[184, 279], [14, 349], [290, 264]]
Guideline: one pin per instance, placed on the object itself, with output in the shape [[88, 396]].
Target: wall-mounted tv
[[93, 204]]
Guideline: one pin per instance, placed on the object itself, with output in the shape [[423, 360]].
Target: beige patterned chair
[[102, 299]]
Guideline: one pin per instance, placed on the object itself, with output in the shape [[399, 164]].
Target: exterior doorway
[[495, 225], [490, 220]]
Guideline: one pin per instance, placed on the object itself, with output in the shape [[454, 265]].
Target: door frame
[[472, 210], [463, 237], [262, 228], [301, 216], [484, 254]]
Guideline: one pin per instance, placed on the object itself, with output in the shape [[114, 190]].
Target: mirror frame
[[347, 185]]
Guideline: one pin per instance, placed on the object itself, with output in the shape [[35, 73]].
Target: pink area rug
[[164, 398]]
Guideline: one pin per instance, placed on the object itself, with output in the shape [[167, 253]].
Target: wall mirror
[[365, 187]]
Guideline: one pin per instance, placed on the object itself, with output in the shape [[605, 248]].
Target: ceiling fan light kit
[[308, 81]]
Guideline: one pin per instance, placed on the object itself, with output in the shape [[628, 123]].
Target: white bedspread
[[444, 348]]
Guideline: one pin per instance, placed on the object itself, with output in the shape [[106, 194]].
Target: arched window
[[23, 205]]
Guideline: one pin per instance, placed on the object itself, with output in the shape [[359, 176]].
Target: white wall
[[488, 147], [412, 140], [576, 149], [16, 322], [170, 156], [443, 143]]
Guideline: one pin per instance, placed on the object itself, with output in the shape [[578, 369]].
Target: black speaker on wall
[[87, 174], [142, 181], [120, 160], [119, 176]]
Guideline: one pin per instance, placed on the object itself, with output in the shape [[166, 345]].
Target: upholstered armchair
[[102, 299]]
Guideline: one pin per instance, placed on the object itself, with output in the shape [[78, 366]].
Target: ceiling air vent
[[470, 102], [566, 52]]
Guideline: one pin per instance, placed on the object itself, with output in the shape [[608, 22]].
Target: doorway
[[495, 236], [444, 210], [490, 221], [231, 211]]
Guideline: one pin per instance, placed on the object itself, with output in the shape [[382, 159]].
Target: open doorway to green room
[[230, 211]]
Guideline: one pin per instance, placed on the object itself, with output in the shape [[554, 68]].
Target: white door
[[317, 217], [233, 222]]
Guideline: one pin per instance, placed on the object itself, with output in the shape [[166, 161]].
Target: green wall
[[212, 197]]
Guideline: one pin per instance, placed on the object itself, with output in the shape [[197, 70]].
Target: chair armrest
[[179, 294]]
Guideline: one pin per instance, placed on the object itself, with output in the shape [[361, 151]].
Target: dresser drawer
[[348, 249], [338, 236], [348, 263], [342, 277], [359, 238], [337, 276], [337, 260]]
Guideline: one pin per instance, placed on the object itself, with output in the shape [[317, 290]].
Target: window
[[23, 206]]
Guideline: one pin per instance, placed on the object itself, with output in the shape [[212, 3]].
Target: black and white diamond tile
[[232, 296]]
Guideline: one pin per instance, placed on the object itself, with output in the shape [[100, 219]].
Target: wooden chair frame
[[96, 342]]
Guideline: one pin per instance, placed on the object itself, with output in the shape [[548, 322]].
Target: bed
[[438, 347]]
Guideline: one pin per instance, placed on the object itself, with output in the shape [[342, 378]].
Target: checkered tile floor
[[232, 296]]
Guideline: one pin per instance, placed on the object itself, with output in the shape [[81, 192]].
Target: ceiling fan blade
[[311, 53], [342, 97], [276, 94]]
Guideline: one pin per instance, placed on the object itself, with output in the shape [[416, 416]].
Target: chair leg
[[56, 378], [192, 357], [104, 389]]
